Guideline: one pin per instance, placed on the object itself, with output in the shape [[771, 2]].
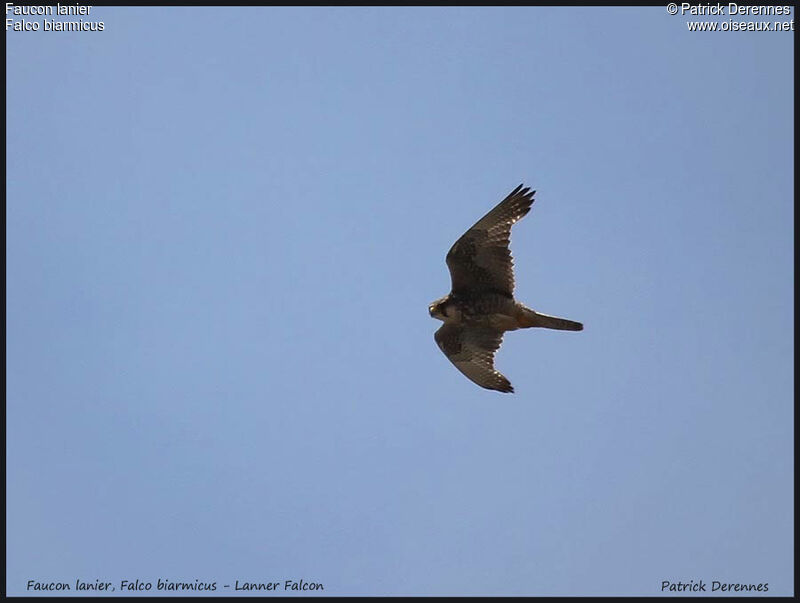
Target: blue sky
[[224, 227]]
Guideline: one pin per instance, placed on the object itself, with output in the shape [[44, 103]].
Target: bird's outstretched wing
[[471, 350], [480, 261]]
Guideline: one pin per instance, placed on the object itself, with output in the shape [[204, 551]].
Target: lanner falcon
[[481, 305]]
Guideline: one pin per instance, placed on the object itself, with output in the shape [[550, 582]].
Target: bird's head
[[438, 309]]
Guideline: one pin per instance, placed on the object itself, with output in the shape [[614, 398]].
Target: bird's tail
[[529, 318]]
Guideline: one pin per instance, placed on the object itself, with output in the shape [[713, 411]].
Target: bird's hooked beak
[[436, 311]]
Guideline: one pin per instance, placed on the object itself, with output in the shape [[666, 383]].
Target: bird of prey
[[481, 307]]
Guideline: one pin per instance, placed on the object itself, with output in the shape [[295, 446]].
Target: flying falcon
[[481, 305]]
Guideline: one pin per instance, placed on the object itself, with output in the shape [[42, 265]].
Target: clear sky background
[[224, 228]]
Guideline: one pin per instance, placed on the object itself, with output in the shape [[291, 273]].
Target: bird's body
[[481, 307]]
